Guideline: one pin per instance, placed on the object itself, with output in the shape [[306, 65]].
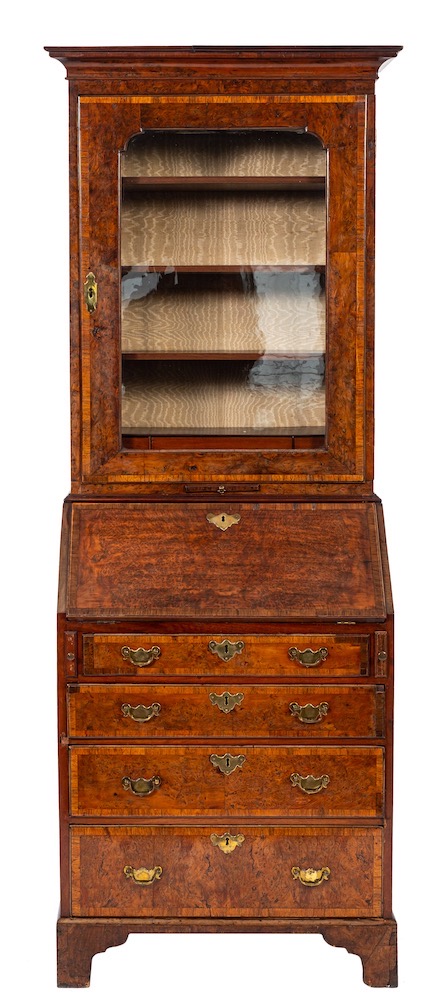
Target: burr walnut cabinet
[[225, 613]]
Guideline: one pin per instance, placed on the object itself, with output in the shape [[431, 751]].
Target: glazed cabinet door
[[223, 322]]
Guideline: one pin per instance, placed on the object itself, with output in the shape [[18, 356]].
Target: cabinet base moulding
[[374, 941]]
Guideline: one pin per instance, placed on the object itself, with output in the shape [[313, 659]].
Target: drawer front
[[188, 875], [226, 781], [156, 711], [321, 655]]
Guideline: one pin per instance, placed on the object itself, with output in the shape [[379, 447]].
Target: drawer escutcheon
[[227, 841], [226, 702], [227, 763], [223, 521], [226, 650]]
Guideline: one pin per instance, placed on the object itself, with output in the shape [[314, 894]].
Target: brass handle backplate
[[226, 702], [309, 784], [226, 650], [143, 876], [309, 713], [308, 657], [90, 292], [141, 657], [142, 713], [141, 786], [227, 763], [223, 521], [311, 876], [227, 841]]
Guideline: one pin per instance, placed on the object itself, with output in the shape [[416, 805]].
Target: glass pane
[[223, 243]]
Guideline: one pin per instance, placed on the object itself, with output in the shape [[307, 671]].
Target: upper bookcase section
[[222, 269]]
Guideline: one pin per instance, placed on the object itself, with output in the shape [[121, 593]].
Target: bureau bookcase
[[225, 623]]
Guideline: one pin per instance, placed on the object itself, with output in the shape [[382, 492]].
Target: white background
[[410, 478]]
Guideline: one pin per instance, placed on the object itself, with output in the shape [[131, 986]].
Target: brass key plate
[[227, 763]]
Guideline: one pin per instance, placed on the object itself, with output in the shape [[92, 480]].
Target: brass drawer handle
[[142, 713], [143, 876], [226, 702], [227, 841], [226, 650], [141, 657], [309, 784], [227, 763], [309, 713], [311, 876], [308, 657], [141, 786]]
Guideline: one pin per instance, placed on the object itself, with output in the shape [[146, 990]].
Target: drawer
[[233, 781], [321, 655], [189, 876], [156, 711]]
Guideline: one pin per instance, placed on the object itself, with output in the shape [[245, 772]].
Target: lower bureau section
[[133, 871]]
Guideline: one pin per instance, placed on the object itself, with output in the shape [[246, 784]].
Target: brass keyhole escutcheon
[[223, 521], [226, 702], [90, 292], [227, 842], [226, 649], [227, 763]]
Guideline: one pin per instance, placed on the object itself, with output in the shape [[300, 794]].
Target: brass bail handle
[[142, 713], [308, 657], [309, 784], [141, 786], [141, 657], [143, 876], [311, 876], [309, 713]]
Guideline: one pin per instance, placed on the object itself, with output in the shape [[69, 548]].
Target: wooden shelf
[[229, 183], [223, 227], [221, 398], [222, 442], [248, 314], [220, 268], [219, 355]]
